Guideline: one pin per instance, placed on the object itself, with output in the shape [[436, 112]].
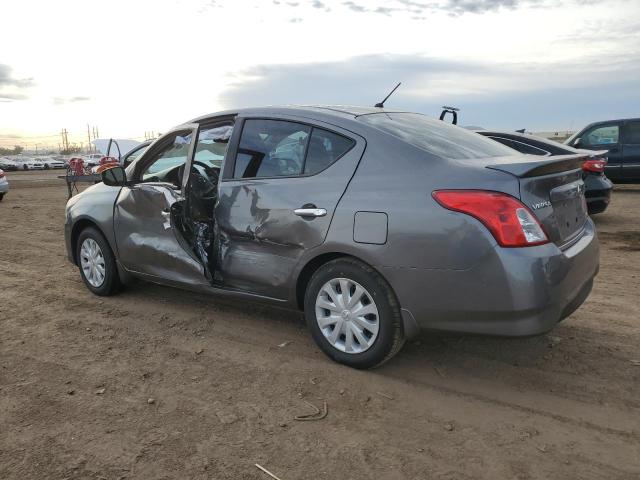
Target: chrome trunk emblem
[[537, 206]]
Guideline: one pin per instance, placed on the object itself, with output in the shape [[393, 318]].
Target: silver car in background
[[375, 223], [4, 184]]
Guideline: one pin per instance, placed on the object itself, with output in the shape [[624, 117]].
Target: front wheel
[[97, 263], [353, 314]]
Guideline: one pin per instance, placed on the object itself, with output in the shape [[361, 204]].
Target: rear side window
[[280, 148], [325, 148], [632, 133], [435, 136]]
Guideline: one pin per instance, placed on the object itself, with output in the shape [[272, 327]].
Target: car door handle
[[310, 212]]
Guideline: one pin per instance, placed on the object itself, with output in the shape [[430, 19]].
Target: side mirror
[[114, 177], [576, 142]]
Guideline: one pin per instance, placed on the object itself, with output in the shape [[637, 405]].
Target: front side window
[[271, 148], [133, 156], [632, 133], [435, 136], [165, 166], [607, 135], [212, 145]]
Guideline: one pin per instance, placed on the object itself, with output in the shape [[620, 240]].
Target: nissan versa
[[375, 223]]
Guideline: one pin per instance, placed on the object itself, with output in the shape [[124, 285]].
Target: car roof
[[339, 111], [599, 122]]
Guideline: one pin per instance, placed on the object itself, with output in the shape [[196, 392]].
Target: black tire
[[46, 166], [111, 283], [1, 196], [390, 337]]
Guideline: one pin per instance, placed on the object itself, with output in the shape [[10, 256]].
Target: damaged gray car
[[375, 223]]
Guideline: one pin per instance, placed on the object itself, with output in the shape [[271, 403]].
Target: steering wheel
[[207, 188]]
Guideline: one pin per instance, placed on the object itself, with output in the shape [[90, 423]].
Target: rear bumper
[[511, 292], [597, 193]]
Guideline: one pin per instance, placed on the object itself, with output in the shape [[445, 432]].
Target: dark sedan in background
[[621, 138], [597, 186]]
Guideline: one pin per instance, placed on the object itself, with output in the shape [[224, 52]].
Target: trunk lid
[[554, 191]]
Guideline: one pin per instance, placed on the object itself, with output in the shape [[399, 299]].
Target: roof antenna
[[381, 104]]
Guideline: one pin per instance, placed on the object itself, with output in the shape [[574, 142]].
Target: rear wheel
[[353, 314], [1, 196], [97, 263]]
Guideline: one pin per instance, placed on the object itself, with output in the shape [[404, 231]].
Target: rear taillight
[[510, 222], [595, 166], [1, 173]]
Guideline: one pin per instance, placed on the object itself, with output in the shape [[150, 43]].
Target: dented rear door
[[267, 215]]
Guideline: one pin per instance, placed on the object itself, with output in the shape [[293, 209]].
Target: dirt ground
[[160, 383]]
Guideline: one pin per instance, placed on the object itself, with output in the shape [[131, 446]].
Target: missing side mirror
[[114, 177]]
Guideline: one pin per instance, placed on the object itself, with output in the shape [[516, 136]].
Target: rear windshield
[[435, 136]]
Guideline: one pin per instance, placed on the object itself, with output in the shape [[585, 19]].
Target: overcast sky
[[134, 66]]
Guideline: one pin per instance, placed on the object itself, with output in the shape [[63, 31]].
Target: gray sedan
[[375, 223]]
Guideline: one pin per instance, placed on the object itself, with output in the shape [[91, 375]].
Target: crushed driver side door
[[148, 211]]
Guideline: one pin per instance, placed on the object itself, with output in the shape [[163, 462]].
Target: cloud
[[11, 89], [64, 100], [6, 78], [10, 97], [355, 7], [451, 7], [494, 95], [319, 4]]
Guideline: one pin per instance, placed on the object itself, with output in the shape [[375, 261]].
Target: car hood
[[98, 194]]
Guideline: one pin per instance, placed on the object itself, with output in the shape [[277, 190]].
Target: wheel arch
[[80, 225], [409, 325], [318, 261]]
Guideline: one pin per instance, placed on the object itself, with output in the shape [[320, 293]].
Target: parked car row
[[8, 165], [21, 162]]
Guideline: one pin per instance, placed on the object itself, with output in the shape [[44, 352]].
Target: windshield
[[435, 136]]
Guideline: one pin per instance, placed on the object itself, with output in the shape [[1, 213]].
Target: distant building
[[558, 136]]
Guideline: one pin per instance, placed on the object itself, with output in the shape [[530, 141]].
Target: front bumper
[[67, 241], [510, 292], [4, 186]]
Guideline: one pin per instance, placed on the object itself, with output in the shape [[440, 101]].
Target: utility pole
[[65, 139], [89, 137]]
